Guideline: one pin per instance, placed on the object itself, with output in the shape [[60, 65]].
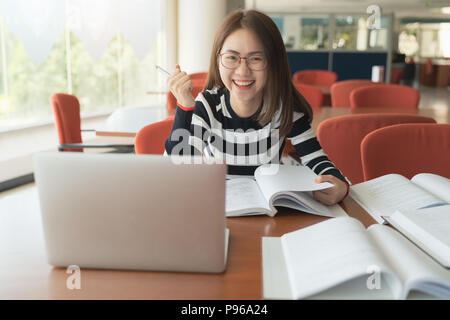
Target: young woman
[[249, 106]]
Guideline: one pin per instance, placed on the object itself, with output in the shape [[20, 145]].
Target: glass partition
[[424, 40], [347, 31], [315, 33], [352, 32], [434, 40], [303, 32]]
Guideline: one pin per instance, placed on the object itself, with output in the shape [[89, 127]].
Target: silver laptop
[[126, 211]]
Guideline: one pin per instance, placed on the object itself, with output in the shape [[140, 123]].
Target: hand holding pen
[[180, 85]]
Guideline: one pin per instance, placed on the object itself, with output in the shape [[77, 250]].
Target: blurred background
[[105, 52]]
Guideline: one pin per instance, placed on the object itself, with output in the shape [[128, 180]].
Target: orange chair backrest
[[396, 75], [171, 101], [429, 66], [341, 137], [150, 139], [340, 91], [312, 94], [407, 149], [385, 96], [315, 77], [66, 111], [198, 78]]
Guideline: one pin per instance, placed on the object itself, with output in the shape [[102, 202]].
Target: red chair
[[340, 91], [199, 78], [315, 99], [171, 101], [407, 149], [396, 75], [150, 139], [312, 94], [341, 137], [429, 66], [385, 96], [315, 77], [66, 111]]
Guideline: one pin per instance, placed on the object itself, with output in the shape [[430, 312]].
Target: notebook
[[134, 212]]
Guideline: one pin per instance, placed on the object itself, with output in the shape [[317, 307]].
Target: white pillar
[[168, 57], [198, 21]]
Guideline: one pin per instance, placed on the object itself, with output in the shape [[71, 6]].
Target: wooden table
[[25, 274], [127, 121]]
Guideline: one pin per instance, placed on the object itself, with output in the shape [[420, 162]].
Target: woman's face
[[245, 85]]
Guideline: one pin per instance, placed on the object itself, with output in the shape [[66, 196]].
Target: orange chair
[[66, 111], [312, 94], [396, 75], [315, 77], [171, 101], [341, 137], [340, 91], [150, 139], [407, 149], [429, 66], [199, 78], [315, 99], [385, 96]]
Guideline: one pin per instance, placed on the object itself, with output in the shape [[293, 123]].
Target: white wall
[[198, 21]]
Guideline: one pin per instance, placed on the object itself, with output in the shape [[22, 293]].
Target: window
[[27, 84], [314, 33], [378, 38], [434, 40], [424, 40], [103, 52], [346, 31], [352, 33], [303, 32]]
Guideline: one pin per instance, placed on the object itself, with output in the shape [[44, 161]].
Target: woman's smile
[[243, 84]]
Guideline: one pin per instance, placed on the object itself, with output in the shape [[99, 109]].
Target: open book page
[[283, 178], [416, 270], [327, 254], [305, 202], [428, 228], [243, 196], [384, 195], [434, 184]]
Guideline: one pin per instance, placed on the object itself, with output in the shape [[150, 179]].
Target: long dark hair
[[279, 91]]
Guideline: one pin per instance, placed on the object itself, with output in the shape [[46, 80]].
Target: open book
[[428, 228], [340, 259], [277, 185], [384, 195]]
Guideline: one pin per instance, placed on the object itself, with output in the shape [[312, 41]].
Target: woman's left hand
[[331, 195]]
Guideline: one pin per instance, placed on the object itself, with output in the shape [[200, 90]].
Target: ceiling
[[401, 8]]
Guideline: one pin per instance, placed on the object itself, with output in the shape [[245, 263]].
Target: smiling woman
[[248, 110]]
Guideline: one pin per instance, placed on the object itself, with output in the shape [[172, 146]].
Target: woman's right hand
[[180, 85]]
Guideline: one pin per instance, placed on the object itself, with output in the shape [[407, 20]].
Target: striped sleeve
[[308, 148], [189, 132]]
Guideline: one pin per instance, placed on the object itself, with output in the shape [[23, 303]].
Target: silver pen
[[162, 70]]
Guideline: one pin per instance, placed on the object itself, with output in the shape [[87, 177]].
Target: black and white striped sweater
[[213, 130]]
